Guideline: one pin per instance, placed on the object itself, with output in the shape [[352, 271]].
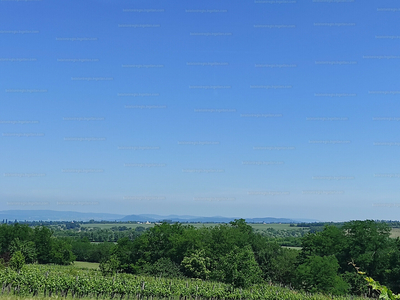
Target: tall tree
[[368, 245], [42, 239], [238, 268], [319, 274]]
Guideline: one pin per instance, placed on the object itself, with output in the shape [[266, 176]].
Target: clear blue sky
[[232, 108]]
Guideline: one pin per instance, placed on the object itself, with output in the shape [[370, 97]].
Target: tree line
[[238, 255], [36, 245]]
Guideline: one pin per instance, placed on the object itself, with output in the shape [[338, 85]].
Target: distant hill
[[53, 215]]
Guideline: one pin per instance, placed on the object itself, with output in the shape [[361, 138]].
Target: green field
[[395, 233], [109, 225], [86, 265], [39, 281], [197, 225], [132, 225], [296, 248], [274, 226]]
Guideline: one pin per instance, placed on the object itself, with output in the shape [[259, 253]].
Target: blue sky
[[231, 108]]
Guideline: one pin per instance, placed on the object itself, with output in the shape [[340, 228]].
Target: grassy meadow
[[395, 233], [86, 265]]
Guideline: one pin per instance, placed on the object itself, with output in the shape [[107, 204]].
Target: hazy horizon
[[285, 109]]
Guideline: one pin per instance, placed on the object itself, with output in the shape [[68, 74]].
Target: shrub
[[164, 267], [17, 261], [196, 265]]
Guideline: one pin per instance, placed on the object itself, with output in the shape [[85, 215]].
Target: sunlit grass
[[84, 264]]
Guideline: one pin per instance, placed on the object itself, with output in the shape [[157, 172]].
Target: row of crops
[[41, 280]]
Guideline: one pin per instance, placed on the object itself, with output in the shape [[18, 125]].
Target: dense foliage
[[35, 244], [367, 243], [227, 253], [98, 235], [233, 254]]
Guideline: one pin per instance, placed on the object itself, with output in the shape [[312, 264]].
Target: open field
[[109, 225], [88, 265], [395, 233], [132, 225], [295, 248], [274, 226]]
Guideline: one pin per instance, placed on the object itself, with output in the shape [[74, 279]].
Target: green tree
[[277, 263], [124, 252], [111, 266], [160, 240], [319, 274], [27, 248], [197, 265], [238, 268], [392, 274], [82, 249], [9, 233], [42, 239], [283, 266], [369, 245], [17, 261], [100, 252], [61, 252], [164, 267], [223, 238], [330, 241], [188, 242], [358, 285], [242, 226]]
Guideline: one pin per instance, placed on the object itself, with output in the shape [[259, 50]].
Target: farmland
[[257, 227], [72, 282], [196, 225]]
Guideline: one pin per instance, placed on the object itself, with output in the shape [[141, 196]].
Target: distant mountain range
[[52, 215]]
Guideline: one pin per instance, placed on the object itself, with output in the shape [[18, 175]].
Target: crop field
[[53, 282]]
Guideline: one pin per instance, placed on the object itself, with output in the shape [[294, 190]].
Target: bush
[[196, 265], [27, 248], [5, 257], [17, 261], [3, 264], [110, 266], [163, 267], [358, 285]]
